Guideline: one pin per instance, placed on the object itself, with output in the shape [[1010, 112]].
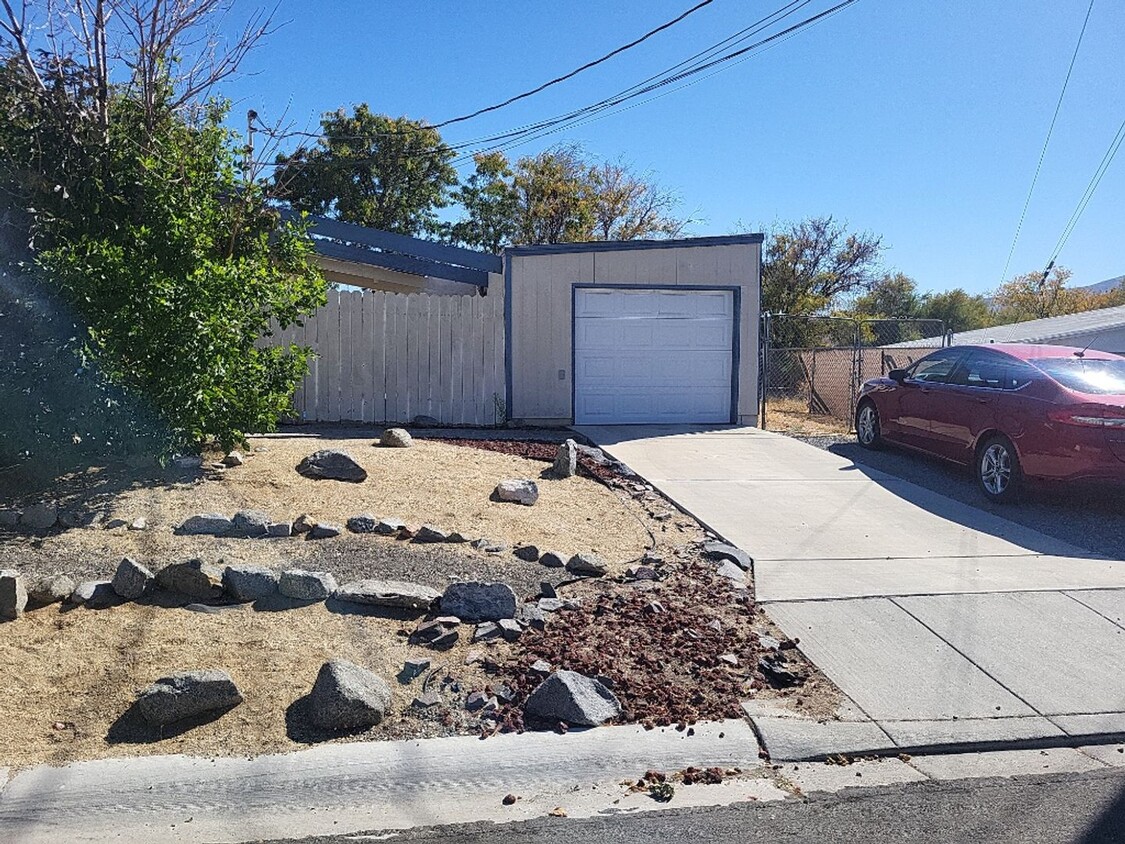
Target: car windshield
[[1086, 375]]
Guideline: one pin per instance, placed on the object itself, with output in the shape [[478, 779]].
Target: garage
[[653, 355], [661, 332]]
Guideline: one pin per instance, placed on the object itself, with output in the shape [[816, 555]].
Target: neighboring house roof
[[1035, 330]]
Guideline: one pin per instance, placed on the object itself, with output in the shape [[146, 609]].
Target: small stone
[[446, 640], [456, 538], [187, 694], [768, 643], [490, 546], [779, 672], [9, 518], [510, 629], [474, 656], [303, 524], [249, 583], [586, 565], [132, 580], [78, 518], [396, 438], [390, 527], [389, 593], [729, 659], [430, 533], [641, 573], [716, 625], [509, 799], [475, 701], [187, 461], [96, 593], [552, 559], [332, 464], [733, 573], [723, 551], [572, 698], [114, 524], [13, 595], [654, 608], [566, 460], [527, 553], [412, 668], [518, 491], [547, 590], [279, 529], [475, 601], [550, 604], [504, 692], [486, 631], [540, 667], [363, 523], [306, 585], [531, 616], [426, 700], [348, 697], [233, 459], [40, 516], [250, 524], [195, 579], [51, 590], [325, 530], [205, 524]]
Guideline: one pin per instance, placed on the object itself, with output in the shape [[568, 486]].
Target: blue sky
[[920, 121]]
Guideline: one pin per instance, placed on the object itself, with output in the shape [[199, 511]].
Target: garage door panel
[[653, 356]]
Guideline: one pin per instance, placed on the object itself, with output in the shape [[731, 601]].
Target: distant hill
[[1104, 286]]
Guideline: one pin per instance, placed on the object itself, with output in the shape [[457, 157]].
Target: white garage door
[[653, 356]]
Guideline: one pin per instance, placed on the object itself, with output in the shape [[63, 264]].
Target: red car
[[1013, 412]]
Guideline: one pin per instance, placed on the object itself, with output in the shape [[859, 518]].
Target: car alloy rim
[[867, 424], [996, 468]]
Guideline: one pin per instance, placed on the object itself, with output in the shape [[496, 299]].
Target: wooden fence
[[389, 357]]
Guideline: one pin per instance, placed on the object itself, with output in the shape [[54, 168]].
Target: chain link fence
[[813, 366]]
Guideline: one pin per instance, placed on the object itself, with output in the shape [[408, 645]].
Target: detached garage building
[[633, 332]]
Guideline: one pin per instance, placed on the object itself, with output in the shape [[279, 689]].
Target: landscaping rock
[[131, 579], [486, 631], [114, 524], [552, 559], [13, 595], [722, 551], [195, 579], [641, 573], [540, 667], [279, 529], [490, 546], [389, 527], [78, 518], [40, 516], [187, 694], [389, 593], [429, 533], [325, 530], [437, 634], [187, 461], [550, 604], [51, 590], [527, 553], [586, 565], [476, 700], [733, 573], [474, 601], [510, 629], [306, 585], [572, 698], [332, 464], [348, 697], [426, 700], [456, 538], [412, 668], [139, 523], [396, 438], [530, 615], [233, 459], [547, 590], [250, 524], [303, 524], [363, 523], [206, 524], [95, 594], [249, 583], [518, 491], [9, 518], [566, 460]]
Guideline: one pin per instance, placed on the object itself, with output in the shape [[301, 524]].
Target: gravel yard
[[1089, 518]]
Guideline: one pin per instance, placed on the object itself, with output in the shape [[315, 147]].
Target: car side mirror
[[897, 375]]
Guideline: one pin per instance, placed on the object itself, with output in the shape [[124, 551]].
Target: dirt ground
[[791, 416], [434, 482]]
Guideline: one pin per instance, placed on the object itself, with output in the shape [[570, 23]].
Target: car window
[[1105, 377], [936, 368], [991, 371]]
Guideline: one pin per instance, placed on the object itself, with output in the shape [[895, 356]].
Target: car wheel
[[998, 470], [867, 429]]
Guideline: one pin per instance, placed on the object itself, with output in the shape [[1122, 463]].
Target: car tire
[[868, 430], [998, 472]]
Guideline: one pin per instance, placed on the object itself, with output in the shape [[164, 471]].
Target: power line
[[576, 71], [1046, 141]]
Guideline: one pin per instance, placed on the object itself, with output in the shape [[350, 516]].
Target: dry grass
[[83, 668], [442, 484], [790, 415]]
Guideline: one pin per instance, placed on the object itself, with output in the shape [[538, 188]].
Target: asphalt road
[[1076, 809], [1087, 517]]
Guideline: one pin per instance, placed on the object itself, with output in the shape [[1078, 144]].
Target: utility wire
[[1046, 141], [576, 71]]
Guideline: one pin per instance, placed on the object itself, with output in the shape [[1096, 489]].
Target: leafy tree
[[552, 192], [629, 207], [490, 205], [960, 311], [894, 296], [173, 263], [389, 173], [1035, 296]]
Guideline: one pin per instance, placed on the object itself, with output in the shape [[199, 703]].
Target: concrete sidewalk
[[946, 626]]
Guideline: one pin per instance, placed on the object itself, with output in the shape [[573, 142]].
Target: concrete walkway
[[947, 627]]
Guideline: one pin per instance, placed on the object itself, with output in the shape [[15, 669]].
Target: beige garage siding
[[541, 281]]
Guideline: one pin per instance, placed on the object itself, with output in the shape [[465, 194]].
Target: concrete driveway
[[946, 626]]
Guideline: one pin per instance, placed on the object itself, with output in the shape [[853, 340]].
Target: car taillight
[[1090, 415]]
